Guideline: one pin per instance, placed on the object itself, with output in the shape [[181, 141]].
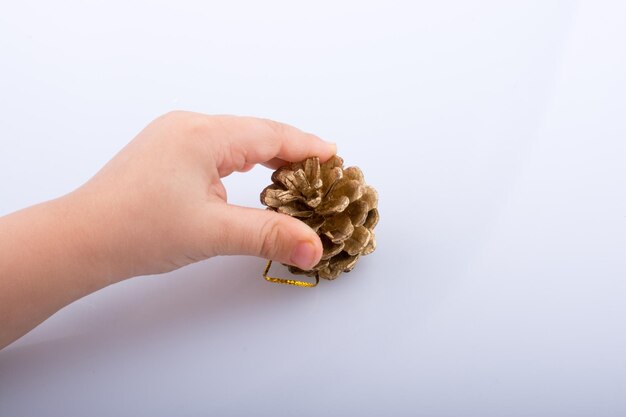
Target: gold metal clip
[[288, 281]]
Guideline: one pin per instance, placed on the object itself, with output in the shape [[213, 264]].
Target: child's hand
[[160, 203], [157, 206]]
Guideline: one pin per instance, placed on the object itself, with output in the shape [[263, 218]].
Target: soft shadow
[[202, 296]]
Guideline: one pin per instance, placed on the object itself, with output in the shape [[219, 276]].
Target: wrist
[[91, 237], [78, 233]]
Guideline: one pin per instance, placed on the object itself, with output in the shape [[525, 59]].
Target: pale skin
[[157, 206]]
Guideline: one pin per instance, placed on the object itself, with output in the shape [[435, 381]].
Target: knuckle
[[173, 116], [176, 113], [271, 233], [197, 125], [276, 127], [188, 123]]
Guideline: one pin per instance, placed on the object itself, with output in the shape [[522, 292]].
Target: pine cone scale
[[357, 241]]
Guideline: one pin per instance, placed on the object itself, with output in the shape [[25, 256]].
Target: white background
[[495, 134]]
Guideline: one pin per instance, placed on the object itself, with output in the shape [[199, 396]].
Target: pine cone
[[333, 201]]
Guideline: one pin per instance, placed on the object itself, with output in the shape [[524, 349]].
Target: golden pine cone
[[332, 200]]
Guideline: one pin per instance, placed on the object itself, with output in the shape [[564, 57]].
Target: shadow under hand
[[143, 312]]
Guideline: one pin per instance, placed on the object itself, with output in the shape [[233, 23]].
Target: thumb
[[267, 234]]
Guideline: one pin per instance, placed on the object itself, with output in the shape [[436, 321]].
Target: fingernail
[[303, 255]]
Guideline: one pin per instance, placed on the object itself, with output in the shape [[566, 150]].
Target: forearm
[[48, 258]]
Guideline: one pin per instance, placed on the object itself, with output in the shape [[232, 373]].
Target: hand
[[156, 206], [160, 202]]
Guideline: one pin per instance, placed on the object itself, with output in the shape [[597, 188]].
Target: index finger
[[249, 140]]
